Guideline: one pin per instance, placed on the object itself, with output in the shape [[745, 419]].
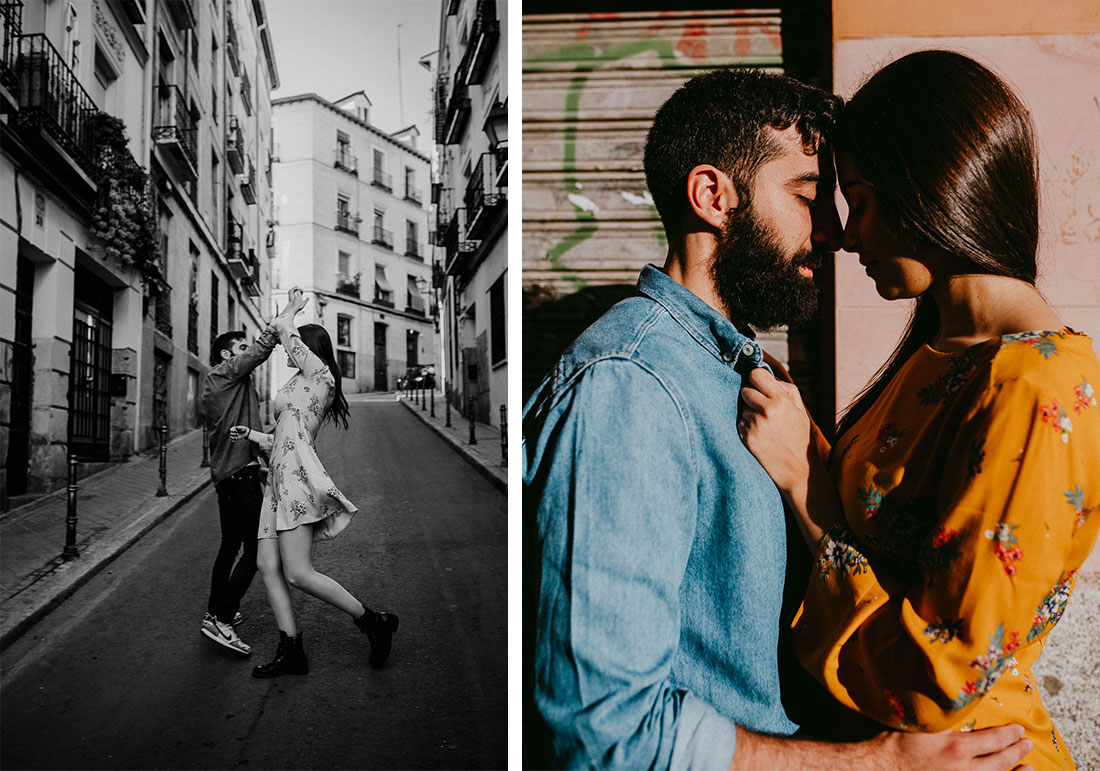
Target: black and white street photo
[[253, 384]]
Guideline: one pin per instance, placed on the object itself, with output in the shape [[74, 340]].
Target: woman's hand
[[775, 427], [237, 433]]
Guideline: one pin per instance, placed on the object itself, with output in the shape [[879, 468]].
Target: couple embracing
[[666, 453]]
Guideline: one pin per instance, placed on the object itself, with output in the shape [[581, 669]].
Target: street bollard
[[433, 401], [70, 549], [503, 435], [424, 396], [470, 412], [163, 491], [205, 447], [447, 401]]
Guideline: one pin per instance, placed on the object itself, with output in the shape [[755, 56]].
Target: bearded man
[[655, 568]]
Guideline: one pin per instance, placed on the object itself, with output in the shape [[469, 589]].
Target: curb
[[102, 555], [496, 477]]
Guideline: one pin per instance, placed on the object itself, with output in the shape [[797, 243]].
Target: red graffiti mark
[[693, 43]]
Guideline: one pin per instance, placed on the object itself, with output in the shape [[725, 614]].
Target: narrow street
[[119, 676]]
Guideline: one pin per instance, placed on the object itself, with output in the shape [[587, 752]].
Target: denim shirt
[[659, 542]]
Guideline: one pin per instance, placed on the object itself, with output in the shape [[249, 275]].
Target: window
[[214, 289], [496, 320], [214, 102], [414, 301], [412, 348], [193, 44], [412, 238], [383, 291], [214, 186], [343, 330], [103, 82], [345, 360], [343, 263]]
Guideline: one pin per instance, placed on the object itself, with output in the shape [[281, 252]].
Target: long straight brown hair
[[950, 151]]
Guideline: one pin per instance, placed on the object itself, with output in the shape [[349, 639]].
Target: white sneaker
[[224, 634], [208, 623]]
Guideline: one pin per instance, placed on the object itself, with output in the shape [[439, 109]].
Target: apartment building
[[352, 231], [132, 218], [471, 198]]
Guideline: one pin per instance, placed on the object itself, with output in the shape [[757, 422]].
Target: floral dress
[[299, 490], [968, 492]]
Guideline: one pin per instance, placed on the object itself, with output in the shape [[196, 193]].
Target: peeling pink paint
[[693, 43]]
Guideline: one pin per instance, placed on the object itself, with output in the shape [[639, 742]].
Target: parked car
[[417, 376]]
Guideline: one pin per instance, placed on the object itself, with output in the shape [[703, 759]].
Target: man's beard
[[757, 281]]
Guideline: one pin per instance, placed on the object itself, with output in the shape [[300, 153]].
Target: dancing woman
[[301, 504]]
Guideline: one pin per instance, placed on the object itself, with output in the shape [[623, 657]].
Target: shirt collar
[[708, 327]]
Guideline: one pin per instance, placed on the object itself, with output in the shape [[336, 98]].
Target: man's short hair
[[224, 342], [722, 118]]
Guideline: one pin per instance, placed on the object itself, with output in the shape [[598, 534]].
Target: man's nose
[[826, 232]]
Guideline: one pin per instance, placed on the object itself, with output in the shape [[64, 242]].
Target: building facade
[[116, 266], [353, 231], [471, 199]]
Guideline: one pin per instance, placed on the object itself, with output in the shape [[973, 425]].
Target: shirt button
[[748, 349], [727, 356]]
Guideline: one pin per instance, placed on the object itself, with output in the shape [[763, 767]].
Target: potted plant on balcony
[[122, 220]]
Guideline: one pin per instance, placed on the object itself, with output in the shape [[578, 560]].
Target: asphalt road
[[119, 676]]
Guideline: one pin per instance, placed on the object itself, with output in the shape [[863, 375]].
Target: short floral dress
[[970, 492], [299, 490]]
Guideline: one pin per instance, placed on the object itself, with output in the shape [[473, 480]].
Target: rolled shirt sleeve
[[610, 465]]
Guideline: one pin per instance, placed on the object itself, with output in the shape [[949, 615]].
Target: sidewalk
[[115, 508], [485, 456]]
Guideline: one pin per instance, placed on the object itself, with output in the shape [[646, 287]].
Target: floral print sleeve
[[306, 360], [941, 598]]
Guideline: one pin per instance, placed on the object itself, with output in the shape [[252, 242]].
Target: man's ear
[[711, 194]]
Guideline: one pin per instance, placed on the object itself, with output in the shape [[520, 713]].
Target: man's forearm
[[757, 751]]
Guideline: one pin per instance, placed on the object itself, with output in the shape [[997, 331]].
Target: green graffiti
[[585, 58]]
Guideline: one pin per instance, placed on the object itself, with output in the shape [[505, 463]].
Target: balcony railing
[[382, 237], [11, 27], [231, 47], [248, 182], [441, 108], [51, 98], [383, 298], [246, 91], [458, 246], [415, 250], [381, 179], [344, 158], [182, 13], [347, 222], [414, 194], [483, 40], [347, 285], [234, 248], [484, 200], [251, 282], [458, 107], [174, 130], [234, 145]]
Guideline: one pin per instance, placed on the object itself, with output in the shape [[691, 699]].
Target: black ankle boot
[[379, 629], [290, 658]]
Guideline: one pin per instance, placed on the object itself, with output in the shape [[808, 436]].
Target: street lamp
[[496, 126]]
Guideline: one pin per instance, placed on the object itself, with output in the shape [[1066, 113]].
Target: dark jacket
[[229, 399]]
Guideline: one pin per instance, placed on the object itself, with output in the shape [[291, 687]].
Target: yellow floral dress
[[969, 490], [299, 490]]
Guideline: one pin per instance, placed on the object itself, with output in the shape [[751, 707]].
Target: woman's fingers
[[754, 399]]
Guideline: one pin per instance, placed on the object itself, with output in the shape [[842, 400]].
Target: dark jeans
[[239, 499]]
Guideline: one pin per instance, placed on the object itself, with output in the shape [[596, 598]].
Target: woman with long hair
[[952, 514], [301, 504]]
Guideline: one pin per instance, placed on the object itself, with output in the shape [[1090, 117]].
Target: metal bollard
[[70, 549], [433, 402], [205, 447], [424, 395], [470, 412], [447, 401], [163, 491], [503, 435]]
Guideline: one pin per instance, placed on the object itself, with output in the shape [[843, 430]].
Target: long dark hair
[[950, 152], [317, 340]]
